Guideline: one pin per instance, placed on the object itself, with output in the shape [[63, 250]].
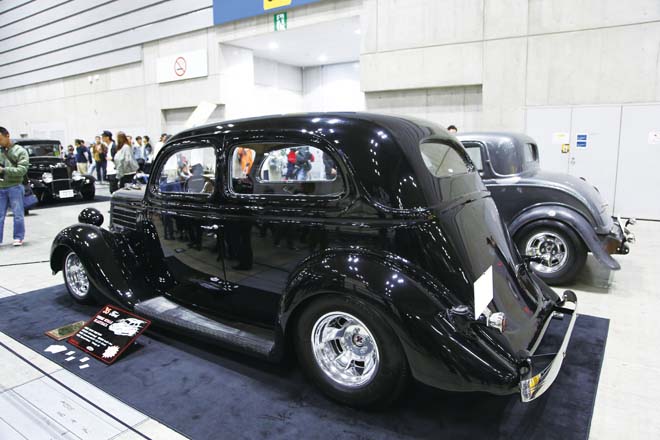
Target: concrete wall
[[50, 39], [119, 93], [521, 52], [333, 88]]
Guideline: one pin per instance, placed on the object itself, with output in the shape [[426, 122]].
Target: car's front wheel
[[88, 193], [350, 352], [77, 281], [559, 254]]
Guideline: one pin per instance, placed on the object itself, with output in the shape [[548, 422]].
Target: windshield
[[52, 150]]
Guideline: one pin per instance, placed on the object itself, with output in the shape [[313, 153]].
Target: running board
[[247, 339]]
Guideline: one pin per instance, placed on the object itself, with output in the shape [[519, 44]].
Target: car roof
[[496, 137], [35, 141], [383, 150]]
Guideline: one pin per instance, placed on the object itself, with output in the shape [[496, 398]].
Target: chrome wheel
[[76, 276], [345, 349], [552, 249]]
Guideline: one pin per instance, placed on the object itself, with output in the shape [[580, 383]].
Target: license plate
[[66, 194]]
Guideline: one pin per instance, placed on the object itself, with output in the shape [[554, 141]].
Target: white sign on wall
[[654, 137], [183, 65]]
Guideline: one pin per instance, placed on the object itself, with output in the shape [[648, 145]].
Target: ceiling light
[[323, 58], [358, 31], [273, 45]]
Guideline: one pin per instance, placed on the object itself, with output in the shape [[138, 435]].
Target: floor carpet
[[206, 393]]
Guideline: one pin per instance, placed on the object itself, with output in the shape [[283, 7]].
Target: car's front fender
[[98, 250], [573, 220]]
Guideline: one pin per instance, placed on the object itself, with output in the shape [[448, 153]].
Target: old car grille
[[123, 216], [59, 173], [59, 185]]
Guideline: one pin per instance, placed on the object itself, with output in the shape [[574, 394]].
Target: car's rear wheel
[[77, 281], [560, 252], [350, 352]]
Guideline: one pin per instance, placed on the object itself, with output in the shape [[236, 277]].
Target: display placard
[[110, 332]]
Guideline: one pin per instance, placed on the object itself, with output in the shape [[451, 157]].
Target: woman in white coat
[[125, 163]]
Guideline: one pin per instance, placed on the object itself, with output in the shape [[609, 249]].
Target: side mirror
[[91, 216]]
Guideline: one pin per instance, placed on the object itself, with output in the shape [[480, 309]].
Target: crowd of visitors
[[126, 155], [93, 158]]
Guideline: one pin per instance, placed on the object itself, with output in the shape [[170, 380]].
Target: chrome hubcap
[[76, 277], [552, 249], [345, 349]]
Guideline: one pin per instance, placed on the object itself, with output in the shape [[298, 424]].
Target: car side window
[[284, 169], [443, 160], [191, 170], [475, 153], [530, 153]]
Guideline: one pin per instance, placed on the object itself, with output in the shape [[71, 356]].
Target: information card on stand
[[110, 332]]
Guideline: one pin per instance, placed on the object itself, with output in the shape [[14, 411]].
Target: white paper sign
[[483, 292], [654, 137], [560, 138], [183, 65]]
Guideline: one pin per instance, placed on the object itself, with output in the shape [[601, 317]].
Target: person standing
[[90, 153], [138, 153], [110, 145], [160, 143], [125, 162], [82, 156], [100, 153], [70, 160], [14, 162]]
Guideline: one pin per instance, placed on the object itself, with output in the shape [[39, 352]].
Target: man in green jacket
[[14, 161]]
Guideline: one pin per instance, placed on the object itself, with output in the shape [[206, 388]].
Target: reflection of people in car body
[[246, 158], [185, 172], [330, 167], [304, 159]]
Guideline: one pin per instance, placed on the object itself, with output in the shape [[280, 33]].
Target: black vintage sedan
[[367, 243], [554, 218], [49, 176]]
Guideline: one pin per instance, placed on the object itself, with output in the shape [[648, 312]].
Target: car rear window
[[530, 153], [443, 160], [504, 158], [474, 151]]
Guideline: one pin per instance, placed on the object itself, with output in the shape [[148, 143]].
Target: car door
[[284, 198], [182, 205]]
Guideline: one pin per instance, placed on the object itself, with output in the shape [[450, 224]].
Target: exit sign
[[280, 21]]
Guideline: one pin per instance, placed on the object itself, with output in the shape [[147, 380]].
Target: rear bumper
[[535, 383]]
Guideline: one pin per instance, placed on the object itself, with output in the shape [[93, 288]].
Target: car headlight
[[47, 177]]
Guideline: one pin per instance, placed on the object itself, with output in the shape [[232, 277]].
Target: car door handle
[[210, 228]]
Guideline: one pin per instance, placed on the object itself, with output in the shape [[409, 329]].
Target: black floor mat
[[207, 393]]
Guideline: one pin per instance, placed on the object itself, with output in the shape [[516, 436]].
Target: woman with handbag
[[14, 162], [125, 163]]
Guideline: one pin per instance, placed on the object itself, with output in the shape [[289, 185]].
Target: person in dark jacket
[[70, 160], [110, 145], [83, 158]]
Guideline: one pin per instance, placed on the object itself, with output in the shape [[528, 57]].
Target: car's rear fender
[[416, 309], [570, 218], [98, 250]]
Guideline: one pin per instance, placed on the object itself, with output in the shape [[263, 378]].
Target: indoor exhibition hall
[[329, 219]]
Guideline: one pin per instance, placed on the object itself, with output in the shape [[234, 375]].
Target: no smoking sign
[[180, 66]]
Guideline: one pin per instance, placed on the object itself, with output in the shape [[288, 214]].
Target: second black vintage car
[[49, 176], [554, 218], [366, 243]]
